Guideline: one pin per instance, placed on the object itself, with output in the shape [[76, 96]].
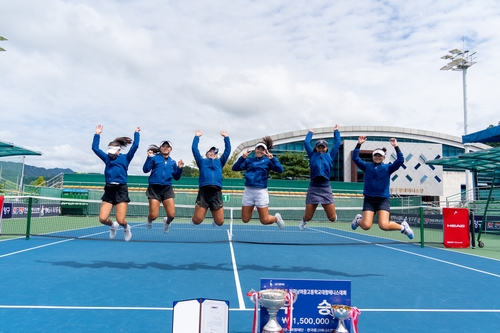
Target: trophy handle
[[253, 295]]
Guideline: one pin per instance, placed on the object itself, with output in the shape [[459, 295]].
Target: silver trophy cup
[[341, 312], [272, 300]]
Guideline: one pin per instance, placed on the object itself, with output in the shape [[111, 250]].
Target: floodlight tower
[[461, 61], [1, 39]]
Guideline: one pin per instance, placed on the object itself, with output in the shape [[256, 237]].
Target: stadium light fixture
[[2, 38], [461, 61]]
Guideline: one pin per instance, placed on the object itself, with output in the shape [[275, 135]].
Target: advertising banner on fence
[[18, 210], [492, 223], [431, 221]]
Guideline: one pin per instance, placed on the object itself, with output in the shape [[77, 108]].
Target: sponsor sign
[[312, 309], [456, 227], [16, 210]]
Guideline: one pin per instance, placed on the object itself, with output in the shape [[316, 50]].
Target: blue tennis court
[[76, 285]]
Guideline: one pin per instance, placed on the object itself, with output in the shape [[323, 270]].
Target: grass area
[[491, 247]]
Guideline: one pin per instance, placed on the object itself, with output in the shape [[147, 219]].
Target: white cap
[[378, 151], [168, 143], [215, 149], [112, 149], [261, 144]]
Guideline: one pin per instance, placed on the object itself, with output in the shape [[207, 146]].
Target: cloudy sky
[[252, 68]]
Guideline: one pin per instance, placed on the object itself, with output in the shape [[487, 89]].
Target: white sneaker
[[112, 230], [166, 226], [127, 233], [279, 221], [149, 224], [407, 230], [355, 222], [302, 225]]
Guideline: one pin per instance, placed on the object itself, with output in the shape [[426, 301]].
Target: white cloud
[[251, 68]]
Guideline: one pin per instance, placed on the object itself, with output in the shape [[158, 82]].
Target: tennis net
[[78, 219]]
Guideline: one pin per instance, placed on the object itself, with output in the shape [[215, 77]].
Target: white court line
[[341, 236], [440, 260], [36, 247], [143, 308], [416, 254], [241, 301]]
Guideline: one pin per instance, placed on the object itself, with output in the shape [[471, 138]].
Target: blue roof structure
[[488, 135]]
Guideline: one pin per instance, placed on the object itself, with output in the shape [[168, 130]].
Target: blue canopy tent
[[488, 135]]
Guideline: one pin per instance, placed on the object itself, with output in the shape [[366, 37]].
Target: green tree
[[39, 182], [189, 171], [296, 166], [227, 170]]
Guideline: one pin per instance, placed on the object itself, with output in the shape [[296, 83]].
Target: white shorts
[[254, 196]]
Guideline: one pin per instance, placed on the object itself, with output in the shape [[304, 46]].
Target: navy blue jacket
[[257, 169], [116, 170], [321, 164], [162, 170], [377, 176], [210, 168]]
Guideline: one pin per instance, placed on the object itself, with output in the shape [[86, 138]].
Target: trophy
[[344, 312], [272, 300]]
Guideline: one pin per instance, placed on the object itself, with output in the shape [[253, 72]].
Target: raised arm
[[227, 148], [400, 159], [355, 153], [135, 144], [194, 148], [307, 143], [95, 143], [178, 170], [336, 142], [240, 164]]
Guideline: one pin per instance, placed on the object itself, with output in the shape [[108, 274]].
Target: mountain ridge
[[12, 171]]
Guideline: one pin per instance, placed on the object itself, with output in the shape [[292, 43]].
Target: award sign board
[[456, 227], [312, 310], [200, 315]]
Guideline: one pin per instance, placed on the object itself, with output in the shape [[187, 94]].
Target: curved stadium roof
[[355, 131]]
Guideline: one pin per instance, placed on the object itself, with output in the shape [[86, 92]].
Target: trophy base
[[340, 330], [272, 327], [280, 330]]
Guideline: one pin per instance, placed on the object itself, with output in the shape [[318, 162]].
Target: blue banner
[[312, 309], [15, 210], [7, 210]]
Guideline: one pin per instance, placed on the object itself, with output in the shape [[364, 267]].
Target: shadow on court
[[202, 266]]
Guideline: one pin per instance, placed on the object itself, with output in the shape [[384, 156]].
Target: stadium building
[[414, 178]]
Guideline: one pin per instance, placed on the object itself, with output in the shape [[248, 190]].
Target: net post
[[231, 210], [422, 226], [28, 221]]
